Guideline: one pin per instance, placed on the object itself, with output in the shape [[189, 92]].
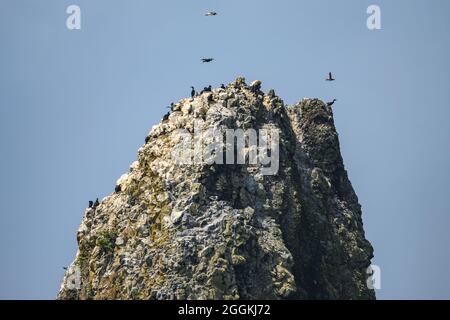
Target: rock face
[[227, 231]]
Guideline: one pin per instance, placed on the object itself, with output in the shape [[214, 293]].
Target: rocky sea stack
[[228, 231]]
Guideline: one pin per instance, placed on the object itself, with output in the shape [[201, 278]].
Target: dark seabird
[[118, 188], [147, 139], [206, 89], [204, 60], [166, 116], [96, 203], [65, 268], [331, 102], [91, 204], [192, 92], [211, 13], [330, 77], [222, 86]]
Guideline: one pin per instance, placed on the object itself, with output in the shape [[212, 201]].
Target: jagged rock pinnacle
[[205, 230]]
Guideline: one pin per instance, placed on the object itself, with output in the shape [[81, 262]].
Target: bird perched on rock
[[166, 116], [147, 139], [271, 94], [331, 102], [330, 77], [118, 189], [91, 204], [206, 60], [206, 89], [192, 92], [96, 203], [172, 105], [222, 86], [211, 13]]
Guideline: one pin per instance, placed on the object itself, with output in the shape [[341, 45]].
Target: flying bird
[[330, 77], [205, 60], [211, 13], [331, 102]]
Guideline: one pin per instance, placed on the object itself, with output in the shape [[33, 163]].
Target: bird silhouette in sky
[[330, 77]]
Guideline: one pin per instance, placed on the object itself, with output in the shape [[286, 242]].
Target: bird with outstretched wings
[[330, 77]]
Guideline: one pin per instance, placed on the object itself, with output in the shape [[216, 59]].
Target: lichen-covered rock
[[219, 231]]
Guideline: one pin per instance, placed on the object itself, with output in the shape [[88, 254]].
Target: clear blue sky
[[76, 105]]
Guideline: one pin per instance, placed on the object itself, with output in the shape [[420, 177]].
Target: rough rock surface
[[216, 231]]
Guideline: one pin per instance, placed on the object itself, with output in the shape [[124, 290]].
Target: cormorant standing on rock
[[91, 204], [166, 116], [331, 102], [96, 203], [147, 139], [192, 92], [222, 86], [206, 89], [118, 189]]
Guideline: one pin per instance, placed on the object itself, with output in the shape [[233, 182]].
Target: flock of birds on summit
[[194, 93]]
